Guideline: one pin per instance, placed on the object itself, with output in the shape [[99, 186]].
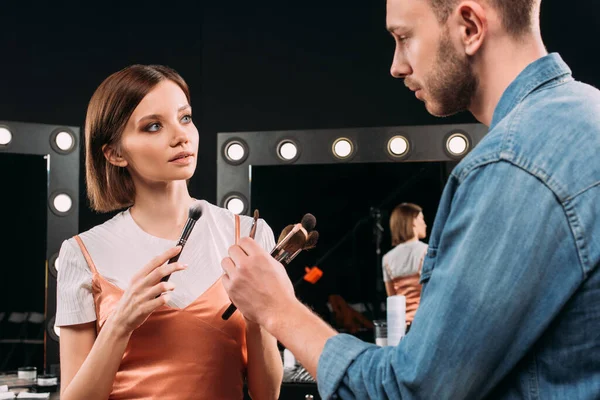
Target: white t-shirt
[[119, 248], [403, 260]]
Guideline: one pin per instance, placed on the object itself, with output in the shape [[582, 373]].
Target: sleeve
[[266, 238], [385, 266], [422, 257], [74, 299], [505, 264]]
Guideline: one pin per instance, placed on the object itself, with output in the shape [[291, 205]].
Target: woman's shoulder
[[407, 247], [108, 229]]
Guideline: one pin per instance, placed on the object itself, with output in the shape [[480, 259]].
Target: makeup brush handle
[[229, 312]]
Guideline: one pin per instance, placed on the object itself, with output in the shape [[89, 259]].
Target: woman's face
[[160, 141], [420, 227]]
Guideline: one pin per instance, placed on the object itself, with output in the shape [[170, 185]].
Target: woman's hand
[[146, 292]]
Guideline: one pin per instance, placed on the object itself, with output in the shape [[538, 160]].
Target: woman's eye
[[153, 127], [186, 119]]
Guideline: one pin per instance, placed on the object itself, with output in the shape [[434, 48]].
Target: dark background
[[251, 66]]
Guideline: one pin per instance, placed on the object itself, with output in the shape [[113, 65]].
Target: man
[[511, 284]]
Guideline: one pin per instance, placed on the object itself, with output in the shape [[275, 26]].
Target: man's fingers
[[237, 254], [229, 267], [250, 246]]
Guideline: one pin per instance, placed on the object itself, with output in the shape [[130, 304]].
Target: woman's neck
[[162, 211]]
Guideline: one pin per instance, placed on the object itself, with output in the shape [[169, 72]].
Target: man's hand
[[257, 284]]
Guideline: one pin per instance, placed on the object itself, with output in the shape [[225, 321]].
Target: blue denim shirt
[[510, 307]]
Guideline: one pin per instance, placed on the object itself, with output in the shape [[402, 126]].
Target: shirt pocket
[[428, 265]]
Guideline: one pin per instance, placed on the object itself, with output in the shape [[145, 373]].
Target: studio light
[[398, 146], [287, 150], [61, 203], [457, 144], [342, 148], [235, 151], [235, 204], [53, 330], [53, 265], [5, 136], [64, 141]]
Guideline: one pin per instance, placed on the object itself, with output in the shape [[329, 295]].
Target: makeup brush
[[231, 309], [254, 224], [194, 214], [291, 239], [311, 243]]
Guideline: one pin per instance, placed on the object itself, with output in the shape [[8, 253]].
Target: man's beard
[[452, 83]]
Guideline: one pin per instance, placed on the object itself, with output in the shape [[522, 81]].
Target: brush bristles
[[312, 240], [285, 232], [195, 212], [309, 222], [294, 243]]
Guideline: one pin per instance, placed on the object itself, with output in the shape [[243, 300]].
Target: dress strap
[[86, 254]]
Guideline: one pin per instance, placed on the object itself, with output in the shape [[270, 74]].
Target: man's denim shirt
[[510, 307]]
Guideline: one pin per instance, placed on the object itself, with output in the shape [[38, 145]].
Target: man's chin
[[437, 111]]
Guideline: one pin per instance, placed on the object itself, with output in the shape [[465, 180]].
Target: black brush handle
[[229, 312]]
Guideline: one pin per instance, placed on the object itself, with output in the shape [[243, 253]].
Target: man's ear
[[473, 24], [113, 156]]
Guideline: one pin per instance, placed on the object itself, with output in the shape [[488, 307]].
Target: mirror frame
[[426, 143], [63, 177]]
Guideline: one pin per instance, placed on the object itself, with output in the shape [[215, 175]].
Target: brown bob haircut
[[110, 187], [401, 222]]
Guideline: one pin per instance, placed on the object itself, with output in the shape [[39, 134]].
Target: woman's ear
[[473, 24], [113, 156]]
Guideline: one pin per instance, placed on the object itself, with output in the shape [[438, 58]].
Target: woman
[[402, 264], [120, 338]]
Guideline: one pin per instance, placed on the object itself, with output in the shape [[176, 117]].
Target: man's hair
[[516, 14]]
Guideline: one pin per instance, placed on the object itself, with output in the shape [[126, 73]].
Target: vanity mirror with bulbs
[[39, 164], [350, 180]]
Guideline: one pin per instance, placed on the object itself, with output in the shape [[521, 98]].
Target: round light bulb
[[235, 152], [5, 136], [398, 145], [235, 205], [63, 202], [64, 141], [342, 148], [288, 151], [457, 144]]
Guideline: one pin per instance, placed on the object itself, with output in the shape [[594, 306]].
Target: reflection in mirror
[[348, 200], [24, 222]]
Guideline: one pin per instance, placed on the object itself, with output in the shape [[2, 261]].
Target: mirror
[[349, 202], [39, 164], [22, 299], [350, 180]]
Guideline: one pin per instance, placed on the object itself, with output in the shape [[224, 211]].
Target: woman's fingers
[[156, 262], [159, 288]]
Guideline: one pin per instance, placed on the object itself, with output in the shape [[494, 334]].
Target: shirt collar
[[532, 77]]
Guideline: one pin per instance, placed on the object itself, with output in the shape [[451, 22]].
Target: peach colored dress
[[188, 353], [409, 287]]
